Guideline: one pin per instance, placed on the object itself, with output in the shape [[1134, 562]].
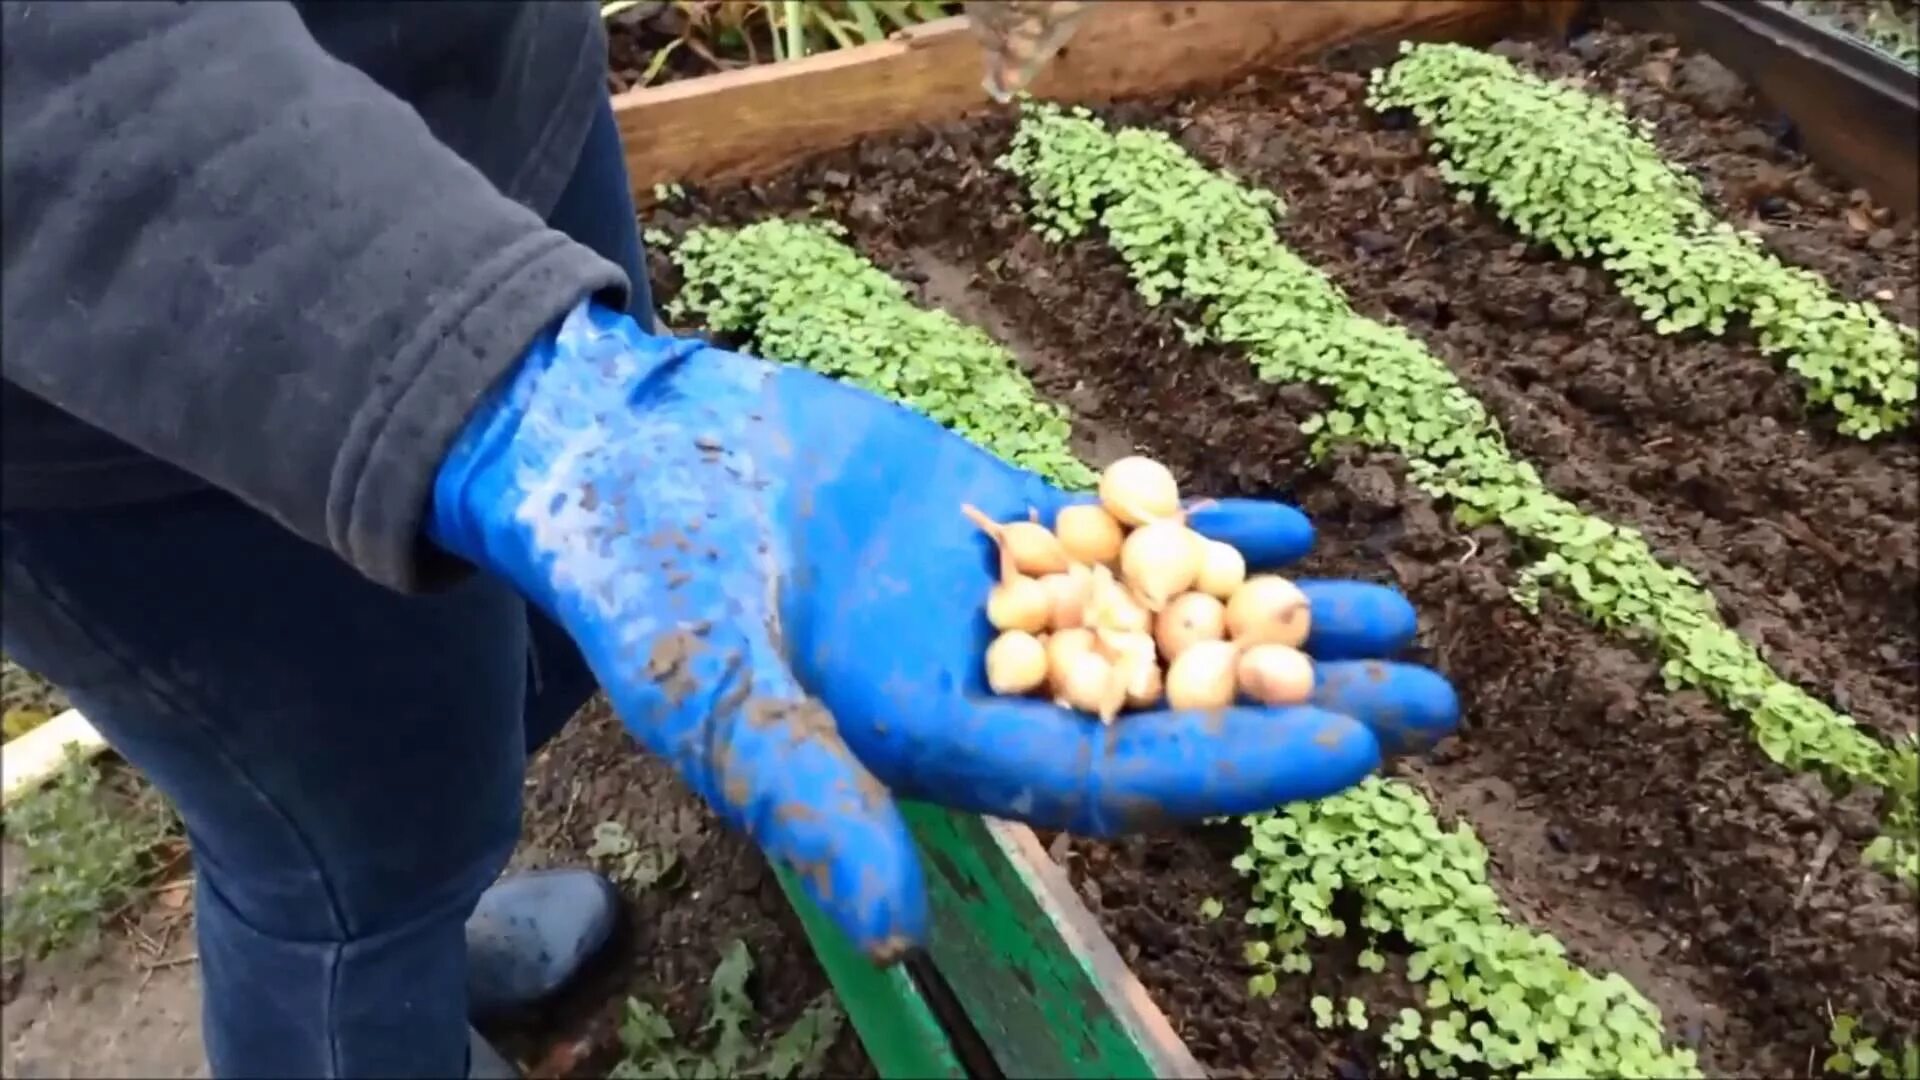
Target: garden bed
[[1641, 827]]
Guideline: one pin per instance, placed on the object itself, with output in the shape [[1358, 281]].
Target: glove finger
[[772, 762], [810, 804], [1353, 620], [1269, 535], [1408, 707], [1030, 761]]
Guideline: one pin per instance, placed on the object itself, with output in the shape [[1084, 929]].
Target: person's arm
[[244, 257]]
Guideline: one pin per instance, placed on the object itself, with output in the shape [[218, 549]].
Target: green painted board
[[898, 1029], [1037, 977]]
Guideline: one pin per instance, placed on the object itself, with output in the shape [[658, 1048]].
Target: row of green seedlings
[[1183, 229], [1574, 170], [1495, 994]]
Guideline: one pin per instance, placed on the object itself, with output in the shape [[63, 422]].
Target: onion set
[[1122, 606]]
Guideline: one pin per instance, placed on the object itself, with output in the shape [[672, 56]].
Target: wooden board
[[1856, 110], [36, 757], [1042, 986], [754, 121]]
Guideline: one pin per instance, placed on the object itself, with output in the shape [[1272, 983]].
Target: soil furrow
[[1646, 823]]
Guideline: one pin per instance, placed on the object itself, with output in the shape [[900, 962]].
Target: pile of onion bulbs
[[1122, 606]]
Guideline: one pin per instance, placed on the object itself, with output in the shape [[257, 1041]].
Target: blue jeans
[[347, 760]]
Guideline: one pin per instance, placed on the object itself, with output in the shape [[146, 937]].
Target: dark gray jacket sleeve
[[244, 257]]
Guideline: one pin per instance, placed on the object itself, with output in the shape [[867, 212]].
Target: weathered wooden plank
[[1855, 109], [753, 121], [1039, 980]]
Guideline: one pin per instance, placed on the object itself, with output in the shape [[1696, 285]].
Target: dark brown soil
[[636, 35], [1642, 828], [720, 889]]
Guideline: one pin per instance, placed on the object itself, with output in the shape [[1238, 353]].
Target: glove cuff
[[583, 371]]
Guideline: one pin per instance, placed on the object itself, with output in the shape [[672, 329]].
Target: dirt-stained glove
[[1020, 36], [770, 574]]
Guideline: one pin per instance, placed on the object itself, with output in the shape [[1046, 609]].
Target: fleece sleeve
[[244, 257]]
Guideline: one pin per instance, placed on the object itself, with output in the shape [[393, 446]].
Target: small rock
[[868, 210], [1810, 192], [1371, 486], [1857, 814], [1751, 141], [1374, 243], [1709, 85], [1567, 309], [1588, 47], [1773, 207], [1881, 240]]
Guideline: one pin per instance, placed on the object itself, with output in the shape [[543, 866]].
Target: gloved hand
[[1020, 36], [748, 553]]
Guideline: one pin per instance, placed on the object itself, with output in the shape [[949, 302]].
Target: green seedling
[[1572, 170], [638, 866], [650, 1048], [1185, 230]]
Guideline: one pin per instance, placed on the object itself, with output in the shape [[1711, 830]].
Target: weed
[[84, 854], [650, 1048], [26, 700], [626, 860], [1858, 1055]]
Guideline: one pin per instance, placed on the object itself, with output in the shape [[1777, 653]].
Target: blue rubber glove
[[747, 553]]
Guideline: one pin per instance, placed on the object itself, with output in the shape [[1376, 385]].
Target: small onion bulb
[[1161, 561], [1028, 545], [1114, 607], [1020, 603], [1088, 533], [1275, 675], [1137, 667], [1222, 569], [1067, 596], [1187, 619], [1084, 681], [1268, 609], [1062, 645], [1138, 490], [1016, 663], [1202, 677]]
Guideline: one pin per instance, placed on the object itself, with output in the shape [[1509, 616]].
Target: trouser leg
[[347, 762]]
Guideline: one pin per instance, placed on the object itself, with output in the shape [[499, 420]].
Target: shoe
[[486, 1063], [531, 932]]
